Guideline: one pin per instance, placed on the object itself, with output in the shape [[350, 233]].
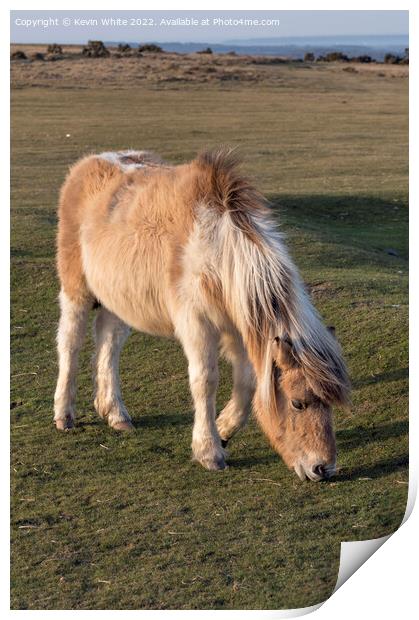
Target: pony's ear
[[282, 354]]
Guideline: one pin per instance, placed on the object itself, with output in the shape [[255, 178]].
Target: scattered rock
[[334, 57], [54, 48], [95, 49], [150, 47], [363, 58], [124, 48], [391, 59], [18, 55]]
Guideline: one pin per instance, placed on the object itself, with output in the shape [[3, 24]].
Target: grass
[[101, 520]]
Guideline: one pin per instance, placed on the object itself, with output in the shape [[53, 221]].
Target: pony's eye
[[297, 404]]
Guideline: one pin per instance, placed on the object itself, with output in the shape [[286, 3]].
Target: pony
[[192, 252]]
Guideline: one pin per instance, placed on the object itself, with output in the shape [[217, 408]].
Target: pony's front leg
[[236, 412], [200, 343], [71, 332], [110, 335]]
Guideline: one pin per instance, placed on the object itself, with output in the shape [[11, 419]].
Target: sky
[[211, 26]]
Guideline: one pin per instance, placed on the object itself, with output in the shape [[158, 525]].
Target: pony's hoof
[[216, 463], [64, 424], [224, 442], [123, 425], [209, 454]]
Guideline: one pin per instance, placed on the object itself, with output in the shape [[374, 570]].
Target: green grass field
[[101, 520]]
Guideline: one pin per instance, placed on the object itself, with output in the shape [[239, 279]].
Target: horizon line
[[227, 42]]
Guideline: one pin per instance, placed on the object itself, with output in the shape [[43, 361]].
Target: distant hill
[[375, 46], [373, 40]]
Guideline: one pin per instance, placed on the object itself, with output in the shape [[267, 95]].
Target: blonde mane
[[263, 289]]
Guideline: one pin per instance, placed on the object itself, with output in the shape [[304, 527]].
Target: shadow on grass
[[163, 419], [375, 470], [251, 461], [359, 436], [385, 377], [368, 222], [20, 253]]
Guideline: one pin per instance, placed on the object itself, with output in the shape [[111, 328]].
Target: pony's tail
[[261, 286]]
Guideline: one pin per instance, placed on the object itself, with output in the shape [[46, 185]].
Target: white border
[[386, 585]]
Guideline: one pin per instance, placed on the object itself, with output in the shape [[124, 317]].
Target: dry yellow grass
[[169, 70]]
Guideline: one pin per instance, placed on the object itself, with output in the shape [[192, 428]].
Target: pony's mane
[[261, 285], [223, 186]]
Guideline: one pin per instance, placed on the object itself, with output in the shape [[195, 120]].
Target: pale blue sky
[[292, 24]]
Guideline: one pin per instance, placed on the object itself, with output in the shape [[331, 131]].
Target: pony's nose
[[319, 470]]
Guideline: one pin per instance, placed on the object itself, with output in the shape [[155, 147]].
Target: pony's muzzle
[[317, 472]]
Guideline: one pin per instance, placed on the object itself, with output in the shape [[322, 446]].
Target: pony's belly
[[137, 299], [149, 320], [135, 310]]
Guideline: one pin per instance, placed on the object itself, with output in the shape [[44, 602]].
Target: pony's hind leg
[[200, 343], [71, 332], [236, 413], [110, 335]]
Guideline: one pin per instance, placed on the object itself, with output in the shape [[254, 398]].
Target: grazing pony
[[191, 252]]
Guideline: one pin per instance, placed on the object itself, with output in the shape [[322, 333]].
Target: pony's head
[[298, 418], [307, 439]]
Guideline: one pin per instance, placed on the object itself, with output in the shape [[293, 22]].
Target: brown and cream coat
[[191, 252]]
